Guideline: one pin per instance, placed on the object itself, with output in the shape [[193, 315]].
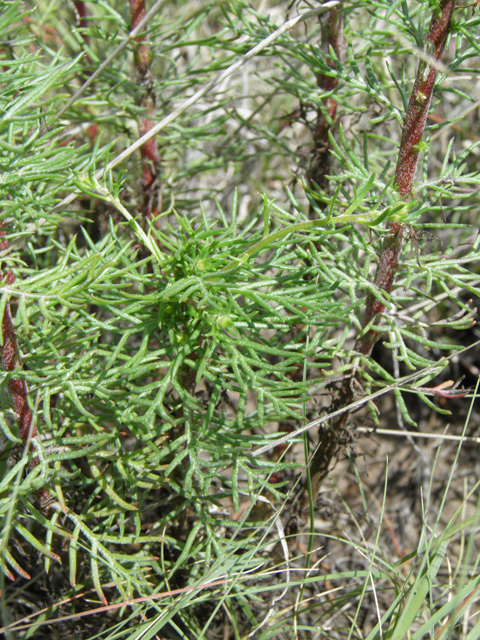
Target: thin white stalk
[[417, 434]]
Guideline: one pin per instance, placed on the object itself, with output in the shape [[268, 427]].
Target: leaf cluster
[[160, 353]]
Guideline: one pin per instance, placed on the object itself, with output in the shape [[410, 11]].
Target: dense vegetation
[[224, 225]]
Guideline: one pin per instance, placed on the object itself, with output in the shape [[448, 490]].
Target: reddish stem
[[17, 387], [335, 439], [421, 98], [142, 53], [82, 22], [82, 12], [410, 147], [384, 278], [332, 36], [149, 150]]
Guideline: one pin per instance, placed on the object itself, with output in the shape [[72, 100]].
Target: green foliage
[[160, 353]]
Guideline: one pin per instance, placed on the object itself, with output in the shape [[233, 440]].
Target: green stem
[[91, 186], [371, 218]]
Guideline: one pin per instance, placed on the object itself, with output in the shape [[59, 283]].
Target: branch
[[333, 440]]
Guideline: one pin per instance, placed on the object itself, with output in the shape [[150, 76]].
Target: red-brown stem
[[410, 147], [82, 12], [384, 278], [82, 22], [321, 157], [334, 439], [17, 387], [142, 53], [149, 150], [421, 98], [332, 36]]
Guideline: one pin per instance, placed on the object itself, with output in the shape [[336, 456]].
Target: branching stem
[[333, 440]]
